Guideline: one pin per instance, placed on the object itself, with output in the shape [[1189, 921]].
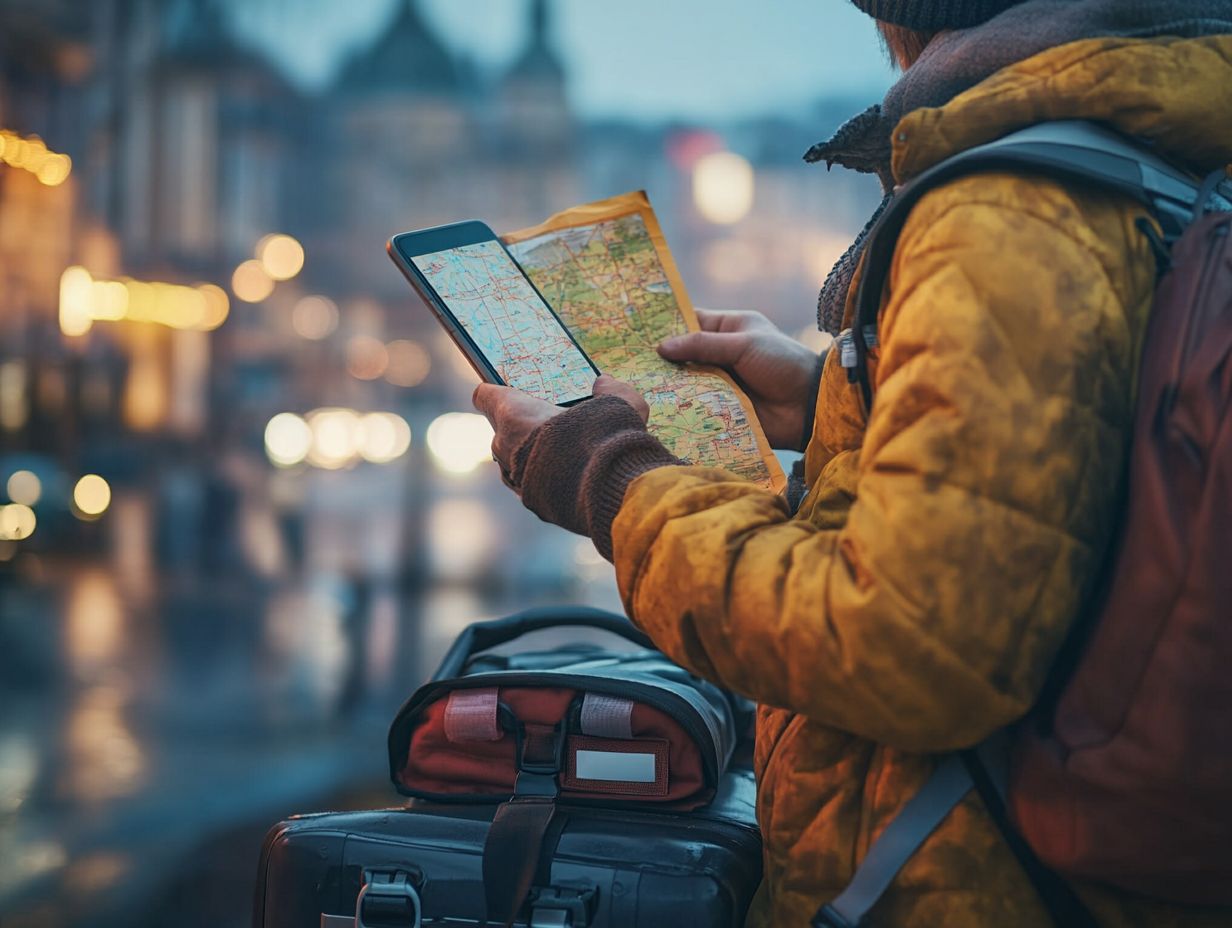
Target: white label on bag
[[616, 766]]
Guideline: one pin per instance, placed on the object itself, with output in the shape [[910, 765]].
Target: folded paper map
[[605, 268]]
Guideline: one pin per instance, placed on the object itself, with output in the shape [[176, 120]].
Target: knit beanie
[[934, 15]]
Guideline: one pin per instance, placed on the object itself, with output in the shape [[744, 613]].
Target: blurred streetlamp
[[17, 521], [383, 437], [24, 487], [281, 256], [91, 496], [336, 437], [723, 187], [84, 301], [287, 439], [32, 154], [460, 441], [250, 282]]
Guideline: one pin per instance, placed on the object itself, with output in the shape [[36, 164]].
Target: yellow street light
[[287, 439], [24, 487], [383, 437], [17, 521], [335, 437], [460, 441], [251, 283], [91, 496], [281, 256]]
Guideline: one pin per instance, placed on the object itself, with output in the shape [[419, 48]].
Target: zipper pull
[[846, 343], [847, 353]]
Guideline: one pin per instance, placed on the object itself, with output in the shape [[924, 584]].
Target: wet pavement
[[151, 733]]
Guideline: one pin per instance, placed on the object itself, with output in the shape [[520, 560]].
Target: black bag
[[599, 868], [576, 786]]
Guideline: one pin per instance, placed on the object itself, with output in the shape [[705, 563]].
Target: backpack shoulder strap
[[1072, 150]]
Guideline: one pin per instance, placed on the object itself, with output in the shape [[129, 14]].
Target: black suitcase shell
[[612, 867]]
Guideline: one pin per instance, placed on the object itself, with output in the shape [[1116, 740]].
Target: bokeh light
[[251, 283], [335, 437], [281, 256], [460, 441], [408, 363], [287, 439], [76, 301], [217, 306], [91, 496], [17, 522], [314, 317], [383, 437], [367, 357], [723, 187], [24, 487], [84, 301], [32, 154]]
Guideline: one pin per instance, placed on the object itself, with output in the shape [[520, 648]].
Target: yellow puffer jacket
[[914, 603]]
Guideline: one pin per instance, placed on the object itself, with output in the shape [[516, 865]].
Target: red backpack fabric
[[1131, 783], [1124, 772]]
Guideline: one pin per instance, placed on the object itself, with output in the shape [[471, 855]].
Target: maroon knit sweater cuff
[[574, 469]]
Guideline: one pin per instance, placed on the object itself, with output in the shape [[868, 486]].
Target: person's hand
[[514, 414], [776, 371]]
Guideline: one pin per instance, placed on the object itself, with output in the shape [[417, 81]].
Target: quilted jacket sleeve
[[986, 487]]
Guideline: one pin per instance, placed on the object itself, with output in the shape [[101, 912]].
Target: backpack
[[1122, 773]]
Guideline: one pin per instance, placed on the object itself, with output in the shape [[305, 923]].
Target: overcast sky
[[699, 60]]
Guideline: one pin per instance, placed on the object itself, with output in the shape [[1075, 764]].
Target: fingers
[[487, 397], [723, 349], [731, 320], [610, 386]]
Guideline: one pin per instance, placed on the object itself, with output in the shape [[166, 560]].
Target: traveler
[[914, 600]]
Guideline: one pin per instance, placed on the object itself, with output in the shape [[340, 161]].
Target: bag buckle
[[539, 761], [557, 907], [388, 899]]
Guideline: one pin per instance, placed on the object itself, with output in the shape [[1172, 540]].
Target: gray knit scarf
[[957, 61]]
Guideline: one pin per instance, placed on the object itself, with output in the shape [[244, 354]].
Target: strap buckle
[[387, 899], [536, 773], [558, 907]]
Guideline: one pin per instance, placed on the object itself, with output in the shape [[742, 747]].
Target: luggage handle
[[480, 636]]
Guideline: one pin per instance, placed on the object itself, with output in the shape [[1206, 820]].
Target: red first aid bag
[[579, 723]]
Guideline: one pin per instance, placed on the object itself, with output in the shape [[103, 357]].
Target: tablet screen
[[503, 314]]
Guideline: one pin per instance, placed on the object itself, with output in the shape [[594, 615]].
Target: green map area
[[606, 282]]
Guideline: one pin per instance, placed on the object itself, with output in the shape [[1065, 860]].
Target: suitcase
[[421, 865]]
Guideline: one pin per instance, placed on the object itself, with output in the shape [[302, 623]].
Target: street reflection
[[103, 759], [307, 650], [94, 623]]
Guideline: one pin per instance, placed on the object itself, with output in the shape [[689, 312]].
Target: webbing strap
[[894, 847], [1064, 907], [1070, 150], [471, 715], [607, 716], [511, 855]]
